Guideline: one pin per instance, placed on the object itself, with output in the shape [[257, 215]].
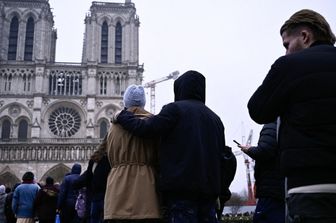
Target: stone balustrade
[[45, 150]]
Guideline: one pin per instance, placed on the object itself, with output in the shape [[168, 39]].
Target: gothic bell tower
[[27, 32]]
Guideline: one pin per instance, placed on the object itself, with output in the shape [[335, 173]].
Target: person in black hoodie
[[270, 183], [192, 139], [300, 88], [46, 201]]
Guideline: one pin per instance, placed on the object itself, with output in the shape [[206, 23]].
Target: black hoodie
[[192, 138]]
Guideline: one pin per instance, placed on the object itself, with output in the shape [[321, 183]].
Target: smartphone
[[238, 144]]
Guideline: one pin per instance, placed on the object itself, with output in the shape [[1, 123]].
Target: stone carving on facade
[[92, 73], [99, 104], [2, 102], [30, 103], [46, 101], [14, 110], [83, 102], [36, 123], [109, 112], [90, 124]]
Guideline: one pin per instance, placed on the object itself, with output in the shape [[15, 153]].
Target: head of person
[[28, 177], [76, 168], [8, 190], [2, 189], [49, 181], [134, 96], [190, 85], [304, 28]]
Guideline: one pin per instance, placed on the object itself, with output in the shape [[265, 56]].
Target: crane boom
[[151, 85], [250, 194]]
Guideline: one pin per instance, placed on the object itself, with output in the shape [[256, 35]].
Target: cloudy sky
[[232, 42]]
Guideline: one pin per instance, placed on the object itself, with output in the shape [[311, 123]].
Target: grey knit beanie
[[134, 96]]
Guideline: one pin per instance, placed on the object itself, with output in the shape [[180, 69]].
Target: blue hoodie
[[23, 200]]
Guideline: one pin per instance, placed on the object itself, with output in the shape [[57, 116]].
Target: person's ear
[[306, 37]]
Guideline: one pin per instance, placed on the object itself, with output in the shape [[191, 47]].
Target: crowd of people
[[175, 166]]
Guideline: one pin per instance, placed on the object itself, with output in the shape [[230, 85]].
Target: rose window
[[64, 122]]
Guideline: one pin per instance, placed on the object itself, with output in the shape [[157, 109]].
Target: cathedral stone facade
[[55, 114]]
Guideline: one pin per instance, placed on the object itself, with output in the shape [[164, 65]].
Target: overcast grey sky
[[231, 42]]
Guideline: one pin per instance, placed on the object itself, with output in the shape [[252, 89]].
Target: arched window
[[104, 43], [29, 43], [13, 37], [117, 84], [23, 130], [103, 85], [8, 82], [118, 43], [5, 131], [103, 129], [26, 82]]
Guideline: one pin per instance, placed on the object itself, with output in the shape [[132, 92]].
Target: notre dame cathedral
[[55, 114]]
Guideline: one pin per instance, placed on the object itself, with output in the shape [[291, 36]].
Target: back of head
[[313, 20], [2, 189], [76, 169], [49, 181], [28, 176], [190, 85], [135, 96]]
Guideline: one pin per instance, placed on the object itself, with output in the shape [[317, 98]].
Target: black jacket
[[269, 180], [192, 139], [98, 177], [300, 88], [46, 202]]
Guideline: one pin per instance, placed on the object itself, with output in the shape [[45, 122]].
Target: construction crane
[[250, 195], [247, 160], [151, 85]]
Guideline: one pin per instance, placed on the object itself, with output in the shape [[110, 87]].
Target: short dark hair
[[314, 21], [28, 176], [49, 181]]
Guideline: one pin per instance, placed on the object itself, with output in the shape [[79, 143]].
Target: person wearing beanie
[[131, 184], [67, 195], [192, 142], [24, 197], [46, 202], [134, 96], [2, 203], [300, 89]]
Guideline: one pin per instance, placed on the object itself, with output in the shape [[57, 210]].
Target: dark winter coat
[[192, 139], [46, 202], [68, 194], [10, 216], [269, 179], [98, 177], [300, 88], [2, 207]]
